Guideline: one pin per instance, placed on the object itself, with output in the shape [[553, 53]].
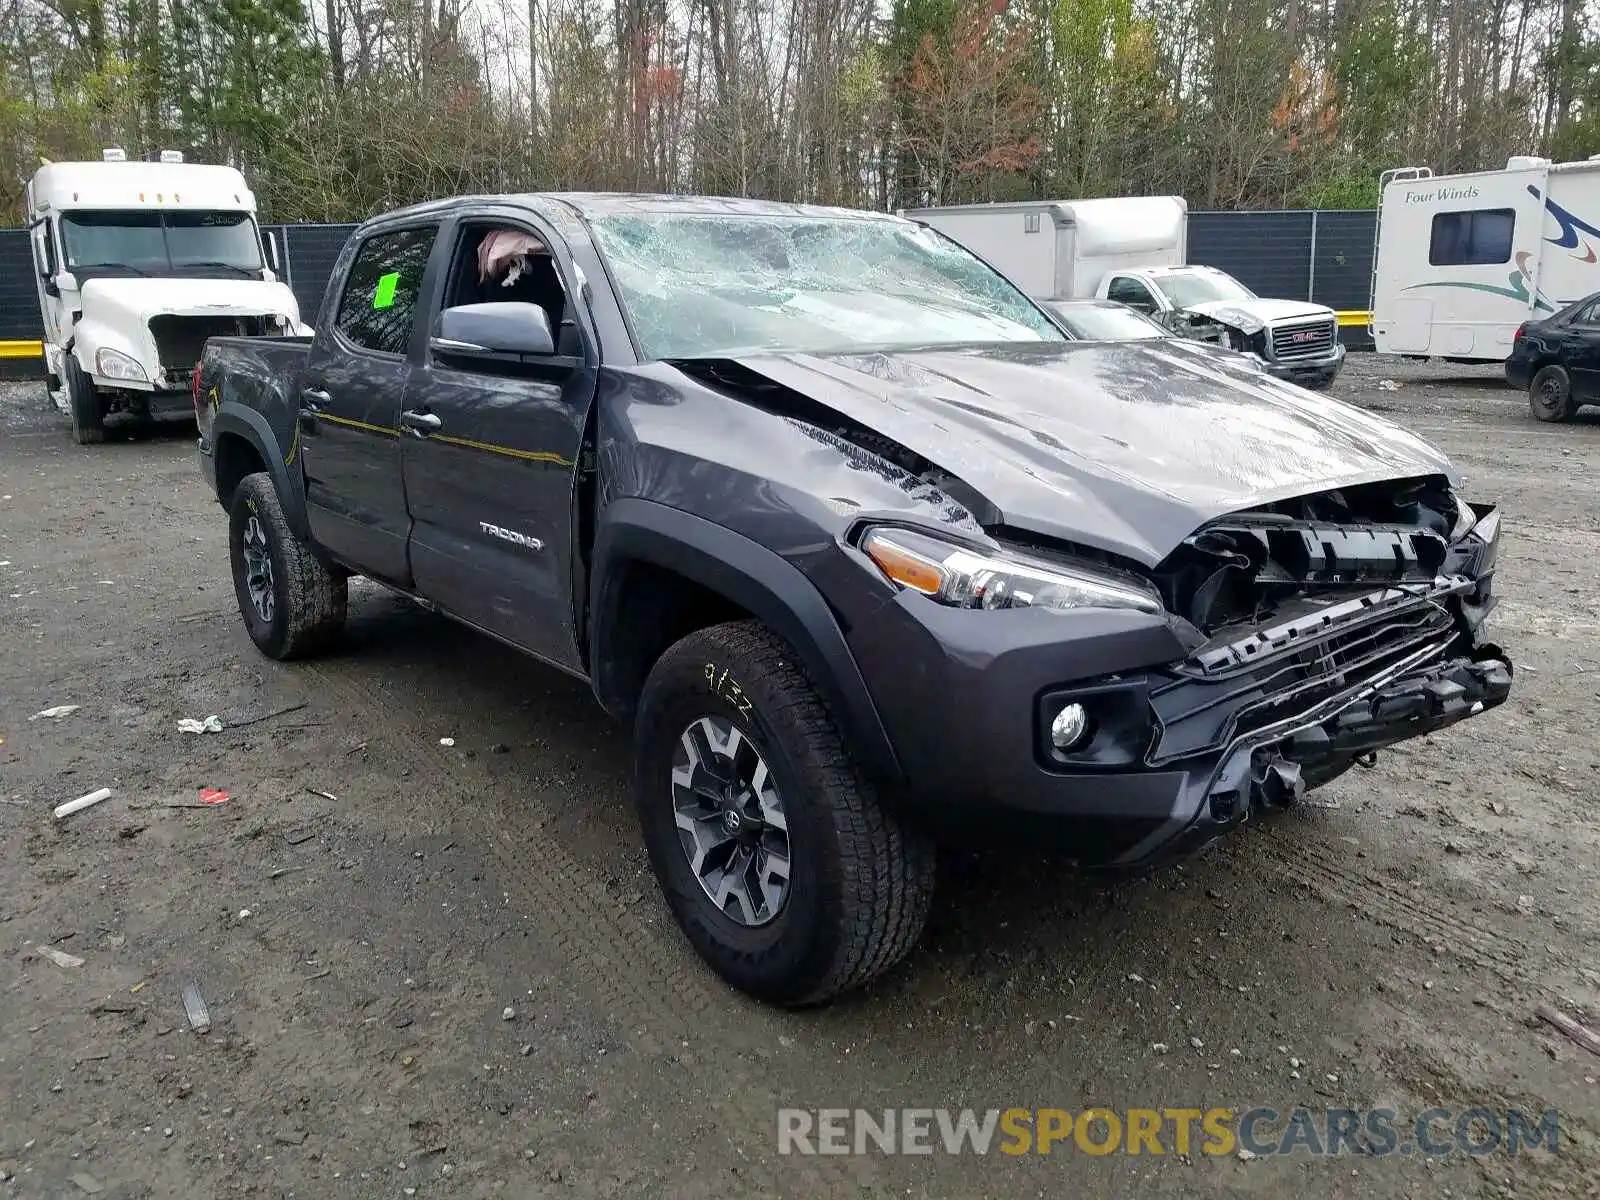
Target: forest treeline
[[339, 108]]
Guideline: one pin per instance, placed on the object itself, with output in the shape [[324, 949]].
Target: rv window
[[1471, 239]]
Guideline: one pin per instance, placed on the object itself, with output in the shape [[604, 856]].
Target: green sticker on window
[[383, 294]]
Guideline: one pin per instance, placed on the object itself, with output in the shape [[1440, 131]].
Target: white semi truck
[[1134, 250], [1461, 261], [136, 264]]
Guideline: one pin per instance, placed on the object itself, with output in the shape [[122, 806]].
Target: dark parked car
[[1558, 360], [859, 544]]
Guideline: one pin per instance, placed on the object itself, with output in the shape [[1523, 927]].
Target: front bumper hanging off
[[1322, 370], [1189, 741], [1273, 770]]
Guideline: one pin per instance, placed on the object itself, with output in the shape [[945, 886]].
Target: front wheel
[[292, 603], [1550, 395], [88, 419], [786, 873]]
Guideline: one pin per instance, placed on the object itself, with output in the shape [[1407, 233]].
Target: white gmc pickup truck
[[1134, 250]]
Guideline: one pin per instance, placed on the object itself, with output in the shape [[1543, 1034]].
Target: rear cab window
[[378, 305]]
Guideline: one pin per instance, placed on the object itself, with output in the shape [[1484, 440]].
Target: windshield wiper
[[218, 264], [111, 267]]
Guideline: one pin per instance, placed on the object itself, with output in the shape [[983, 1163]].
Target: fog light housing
[[1069, 727]]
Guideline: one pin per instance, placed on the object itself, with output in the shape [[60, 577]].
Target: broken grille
[[1202, 706], [180, 340]]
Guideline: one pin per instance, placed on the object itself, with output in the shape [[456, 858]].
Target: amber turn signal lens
[[905, 567]]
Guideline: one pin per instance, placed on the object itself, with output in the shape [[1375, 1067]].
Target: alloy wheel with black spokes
[[731, 821], [258, 569], [293, 603], [785, 871]]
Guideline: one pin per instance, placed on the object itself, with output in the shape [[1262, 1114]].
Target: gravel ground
[[445, 971]]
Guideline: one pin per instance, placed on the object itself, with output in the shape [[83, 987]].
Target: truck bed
[[262, 373]]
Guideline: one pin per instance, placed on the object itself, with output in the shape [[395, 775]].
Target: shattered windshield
[[1188, 288], [718, 285]]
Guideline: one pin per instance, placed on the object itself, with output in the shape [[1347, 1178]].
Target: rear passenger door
[[1580, 350], [354, 381], [491, 454]]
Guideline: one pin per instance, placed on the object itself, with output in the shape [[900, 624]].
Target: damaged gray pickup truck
[[861, 546]]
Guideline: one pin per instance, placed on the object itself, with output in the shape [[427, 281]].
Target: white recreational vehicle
[[1134, 250], [1462, 260], [136, 264]]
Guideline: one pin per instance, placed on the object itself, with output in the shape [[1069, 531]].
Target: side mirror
[[500, 327], [274, 255], [44, 259]]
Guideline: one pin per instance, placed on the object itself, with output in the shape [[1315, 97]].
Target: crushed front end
[[1300, 639], [1333, 626]]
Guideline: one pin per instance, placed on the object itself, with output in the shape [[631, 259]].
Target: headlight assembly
[[962, 578], [114, 364]]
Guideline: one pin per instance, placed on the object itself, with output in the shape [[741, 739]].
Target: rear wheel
[[88, 420], [784, 870], [1550, 395], [292, 603]]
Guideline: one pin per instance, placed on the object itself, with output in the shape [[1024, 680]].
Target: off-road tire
[[308, 598], [88, 421], [861, 881], [1550, 395]]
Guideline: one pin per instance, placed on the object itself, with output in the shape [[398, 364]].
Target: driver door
[[58, 297], [490, 453], [1132, 291]]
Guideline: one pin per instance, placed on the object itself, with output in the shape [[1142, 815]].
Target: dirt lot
[[446, 971]]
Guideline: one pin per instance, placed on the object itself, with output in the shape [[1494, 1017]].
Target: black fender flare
[[756, 579], [240, 420]]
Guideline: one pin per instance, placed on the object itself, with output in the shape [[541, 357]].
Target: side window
[[1474, 238], [502, 262], [1126, 290], [379, 301]]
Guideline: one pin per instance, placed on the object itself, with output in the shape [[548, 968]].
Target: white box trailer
[[1134, 250], [1461, 260], [1062, 249]]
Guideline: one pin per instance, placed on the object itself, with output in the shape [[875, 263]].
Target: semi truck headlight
[[963, 578], [114, 364]]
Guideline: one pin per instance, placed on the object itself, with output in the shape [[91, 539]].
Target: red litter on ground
[[213, 796]]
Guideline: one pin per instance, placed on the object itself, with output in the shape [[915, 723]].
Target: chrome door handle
[[314, 398]]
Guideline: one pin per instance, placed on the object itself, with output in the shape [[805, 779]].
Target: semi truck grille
[[181, 339], [1303, 339]]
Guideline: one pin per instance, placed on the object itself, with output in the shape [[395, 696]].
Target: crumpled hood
[[1124, 446], [140, 299], [1262, 312]]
